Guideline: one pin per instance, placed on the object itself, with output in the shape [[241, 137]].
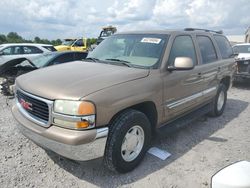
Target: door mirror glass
[[182, 63]]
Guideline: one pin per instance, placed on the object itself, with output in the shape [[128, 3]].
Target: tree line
[[13, 37]]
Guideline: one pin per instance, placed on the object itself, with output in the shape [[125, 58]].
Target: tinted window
[[13, 50], [79, 43], [208, 53], [80, 56], [50, 48], [183, 46], [224, 46], [64, 58], [31, 50], [7, 51]]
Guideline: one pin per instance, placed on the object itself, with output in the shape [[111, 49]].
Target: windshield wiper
[[123, 62], [92, 59]]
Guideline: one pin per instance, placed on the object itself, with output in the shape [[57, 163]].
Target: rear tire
[[219, 102], [128, 141]]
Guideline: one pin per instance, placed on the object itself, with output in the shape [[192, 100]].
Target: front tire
[[128, 141], [219, 102]]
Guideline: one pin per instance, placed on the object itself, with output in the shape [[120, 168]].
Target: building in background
[[236, 39], [247, 38]]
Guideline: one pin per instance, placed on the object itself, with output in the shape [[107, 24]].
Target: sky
[[54, 19]]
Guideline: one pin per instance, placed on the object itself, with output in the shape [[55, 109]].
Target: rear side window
[[224, 46], [50, 48], [31, 50], [183, 46], [64, 58], [80, 56], [208, 53]]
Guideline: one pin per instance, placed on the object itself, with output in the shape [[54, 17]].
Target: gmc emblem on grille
[[26, 105]]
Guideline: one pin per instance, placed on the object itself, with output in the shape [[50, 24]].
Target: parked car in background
[[13, 68], [132, 87], [242, 61], [73, 45], [17, 50]]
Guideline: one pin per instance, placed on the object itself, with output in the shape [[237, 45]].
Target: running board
[[183, 121]]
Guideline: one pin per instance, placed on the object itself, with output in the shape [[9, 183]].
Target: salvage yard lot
[[198, 151]]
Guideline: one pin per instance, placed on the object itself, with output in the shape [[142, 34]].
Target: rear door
[[182, 89], [212, 65]]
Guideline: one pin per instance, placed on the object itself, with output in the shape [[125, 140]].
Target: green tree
[[13, 37], [3, 39]]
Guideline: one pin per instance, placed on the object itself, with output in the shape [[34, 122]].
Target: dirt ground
[[198, 151]]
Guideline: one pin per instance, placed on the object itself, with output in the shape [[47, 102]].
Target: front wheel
[[128, 141], [219, 102]]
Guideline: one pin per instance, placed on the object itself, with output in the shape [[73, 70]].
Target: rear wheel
[[219, 102], [128, 141]]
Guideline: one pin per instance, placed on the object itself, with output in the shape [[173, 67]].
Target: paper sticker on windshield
[[151, 40]]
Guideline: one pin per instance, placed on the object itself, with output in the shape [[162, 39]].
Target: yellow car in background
[[73, 45]]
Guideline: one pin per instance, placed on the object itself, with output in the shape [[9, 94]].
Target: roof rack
[[206, 30]]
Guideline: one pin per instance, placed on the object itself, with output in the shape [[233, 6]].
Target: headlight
[[74, 108], [74, 114]]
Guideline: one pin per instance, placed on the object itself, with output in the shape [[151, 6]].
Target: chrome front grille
[[35, 108], [243, 66]]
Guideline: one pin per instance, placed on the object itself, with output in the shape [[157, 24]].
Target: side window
[[32, 50], [7, 51], [17, 50], [79, 42], [224, 46], [208, 53], [80, 56], [64, 58], [183, 46]]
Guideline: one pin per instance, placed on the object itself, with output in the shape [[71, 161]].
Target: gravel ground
[[198, 151]]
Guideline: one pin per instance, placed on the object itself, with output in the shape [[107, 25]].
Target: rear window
[[224, 46], [50, 48]]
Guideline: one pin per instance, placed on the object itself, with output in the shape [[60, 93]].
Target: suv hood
[[76, 80]]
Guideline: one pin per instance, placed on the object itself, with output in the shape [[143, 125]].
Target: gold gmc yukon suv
[[132, 87]]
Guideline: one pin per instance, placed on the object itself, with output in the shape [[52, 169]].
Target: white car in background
[[242, 61], [17, 50]]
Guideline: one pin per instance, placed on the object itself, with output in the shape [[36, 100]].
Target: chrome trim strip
[[69, 117], [31, 117], [190, 98], [102, 132]]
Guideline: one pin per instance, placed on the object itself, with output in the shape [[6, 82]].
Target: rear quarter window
[[224, 46], [50, 48]]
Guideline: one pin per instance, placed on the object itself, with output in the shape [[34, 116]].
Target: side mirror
[[1, 53], [182, 63], [235, 175]]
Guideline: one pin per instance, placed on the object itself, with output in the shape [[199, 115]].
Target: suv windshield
[[242, 49], [140, 50]]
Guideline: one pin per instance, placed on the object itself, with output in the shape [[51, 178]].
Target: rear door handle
[[199, 74]]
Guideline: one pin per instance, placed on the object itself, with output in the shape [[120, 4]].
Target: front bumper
[[72, 144], [242, 75]]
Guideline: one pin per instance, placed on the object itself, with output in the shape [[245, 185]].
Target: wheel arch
[[148, 108], [226, 81]]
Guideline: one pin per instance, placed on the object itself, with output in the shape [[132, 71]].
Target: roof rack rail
[[206, 30]]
